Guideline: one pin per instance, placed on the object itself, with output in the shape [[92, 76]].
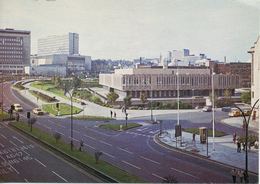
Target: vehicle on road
[[18, 107], [234, 113], [13, 81], [246, 112], [226, 109], [38, 111], [206, 109]]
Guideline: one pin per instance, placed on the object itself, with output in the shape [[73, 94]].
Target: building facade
[[255, 82], [163, 81], [59, 44], [15, 49]]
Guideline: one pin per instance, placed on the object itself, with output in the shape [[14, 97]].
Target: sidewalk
[[225, 150]]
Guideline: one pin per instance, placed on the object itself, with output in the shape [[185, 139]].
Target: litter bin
[[203, 134]]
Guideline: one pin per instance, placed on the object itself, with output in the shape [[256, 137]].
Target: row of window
[[11, 56], [11, 39], [8, 61], [11, 48], [11, 66], [11, 44], [10, 52]]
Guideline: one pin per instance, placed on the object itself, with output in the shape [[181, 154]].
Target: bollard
[[96, 123], [121, 128]]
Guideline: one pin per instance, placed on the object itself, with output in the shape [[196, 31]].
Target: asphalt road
[[135, 150]]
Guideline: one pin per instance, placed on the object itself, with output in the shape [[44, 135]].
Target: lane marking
[[26, 181], [185, 173], [158, 176], [3, 136], [26, 153], [13, 143], [89, 146], [151, 160], [61, 126], [2, 145], [60, 132], [106, 143], [125, 150], [40, 162], [18, 139], [75, 131], [59, 176], [76, 140], [10, 165], [47, 127], [131, 164], [89, 137], [50, 121], [107, 154]]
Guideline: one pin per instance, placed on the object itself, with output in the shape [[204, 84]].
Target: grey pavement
[[224, 149]]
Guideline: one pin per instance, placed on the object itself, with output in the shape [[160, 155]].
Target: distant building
[[255, 82], [99, 66], [60, 51], [15, 49], [161, 82]]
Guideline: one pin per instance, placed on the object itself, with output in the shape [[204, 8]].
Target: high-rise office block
[[15, 48], [59, 44]]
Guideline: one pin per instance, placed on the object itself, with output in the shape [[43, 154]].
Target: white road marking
[[61, 126], [18, 139], [26, 153], [150, 160], [26, 181], [184, 173], [47, 127], [89, 146], [158, 176], [125, 150], [76, 131], [106, 143], [2, 145], [59, 176], [50, 121], [107, 154], [59, 132], [10, 165], [40, 162], [154, 132], [141, 129], [13, 143], [3, 136], [131, 164], [76, 140], [89, 137]]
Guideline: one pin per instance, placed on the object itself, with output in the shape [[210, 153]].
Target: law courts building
[[162, 81]]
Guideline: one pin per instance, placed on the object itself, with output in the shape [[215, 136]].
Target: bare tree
[[97, 155], [32, 121], [57, 136], [170, 179]]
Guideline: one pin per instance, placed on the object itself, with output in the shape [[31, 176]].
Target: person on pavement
[[234, 175], [238, 147], [234, 137], [240, 173]]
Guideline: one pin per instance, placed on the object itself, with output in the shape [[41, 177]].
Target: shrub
[[133, 108], [140, 108], [96, 99]]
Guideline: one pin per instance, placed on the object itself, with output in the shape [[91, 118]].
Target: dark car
[[206, 109]]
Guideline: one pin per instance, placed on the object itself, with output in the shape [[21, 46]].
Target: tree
[[215, 97], [246, 97], [53, 79], [76, 82], [127, 100], [57, 136], [170, 179], [59, 82], [143, 98], [97, 155], [227, 96], [112, 97], [32, 121]]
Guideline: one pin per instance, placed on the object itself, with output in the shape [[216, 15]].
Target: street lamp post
[[178, 94], [3, 96], [213, 114], [152, 107]]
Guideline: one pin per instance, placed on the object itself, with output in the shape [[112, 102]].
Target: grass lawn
[[93, 118], [210, 132], [117, 126], [108, 169], [31, 91], [5, 116], [64, 109]]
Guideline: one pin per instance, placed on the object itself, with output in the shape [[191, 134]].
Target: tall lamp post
[[247, 123], [71, 119], [178, 94], [3, 96], [213, 113], [152, 106]]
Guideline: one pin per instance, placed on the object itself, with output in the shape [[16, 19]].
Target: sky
[[130, 29]]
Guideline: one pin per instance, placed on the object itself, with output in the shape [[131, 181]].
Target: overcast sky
[[129, 29]]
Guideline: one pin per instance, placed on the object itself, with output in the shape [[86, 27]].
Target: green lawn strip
[[65, 109], [93, 118], [210, 132], [31, 91], [55, 91], [117, 126], [106, 168], [5, 116]]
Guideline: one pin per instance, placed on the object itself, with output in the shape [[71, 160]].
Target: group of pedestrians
[[238, 173], [111, 113], [239, 144]]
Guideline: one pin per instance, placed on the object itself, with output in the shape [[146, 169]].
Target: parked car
[[13, 81], [226, 109], [234, 113], [18, 107], [206, 109], [38, 111], [246, 112]]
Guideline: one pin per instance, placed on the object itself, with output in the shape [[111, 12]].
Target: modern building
[[255, 77], [60, 51], [15, 49], [162, 81], [59, 44]]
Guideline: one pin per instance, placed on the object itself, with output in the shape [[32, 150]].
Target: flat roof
[[8, 30]]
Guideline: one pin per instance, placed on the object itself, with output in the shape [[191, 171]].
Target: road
[[135, 150]]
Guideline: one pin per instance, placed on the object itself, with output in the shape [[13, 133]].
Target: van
[[226, 109], [18, 107]]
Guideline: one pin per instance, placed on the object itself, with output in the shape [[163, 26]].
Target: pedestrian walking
[[240, 173], [17, 117], [114, 114], [234, 175], [238, 147], [244, 125], [193, 136], [249, 146], [234, 137], [244, 146], [122, 109], [111, 113]]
